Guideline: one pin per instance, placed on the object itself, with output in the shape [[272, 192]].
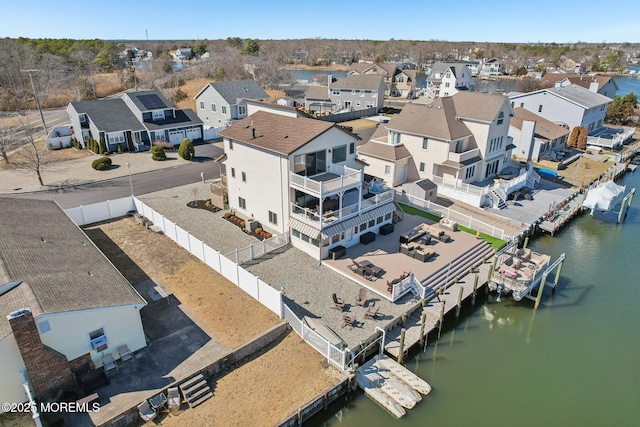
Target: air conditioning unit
[[99, 343]]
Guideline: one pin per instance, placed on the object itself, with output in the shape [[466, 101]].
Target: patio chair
[[337, 303], [348, 320], [173, 398], [371, 312], [147, 413], [125, 353], [109, 364], [362, 297], [158, 401]]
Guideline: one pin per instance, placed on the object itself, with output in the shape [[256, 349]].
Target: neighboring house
[[356, 93], [566, 106], [63, 305], [604, 85], [300, 175], [455, 142], [408, 81], [254, 106], [353, 93], [535, 136], [182, 54], [135, 120], [493, 67], [388, 70], [447, 79], [220, 104]]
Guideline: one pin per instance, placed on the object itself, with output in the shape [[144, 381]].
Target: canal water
[[576, 362]]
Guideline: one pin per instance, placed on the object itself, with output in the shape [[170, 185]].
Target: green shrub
[[180, 95], [157, 153], [103, 146], [186, 150], [101, 164]]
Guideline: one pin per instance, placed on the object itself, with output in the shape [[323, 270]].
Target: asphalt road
[[143, 183]]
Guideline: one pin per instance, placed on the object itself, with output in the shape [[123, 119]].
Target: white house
[[604, 85], [220, 104], [565, 105], [448, 78], [300, 175], [535, 136], [493, 67], [460, 143], [62, 303]]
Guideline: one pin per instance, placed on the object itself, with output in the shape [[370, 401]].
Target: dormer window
[[396, 138], [158, 115], [500, 118]]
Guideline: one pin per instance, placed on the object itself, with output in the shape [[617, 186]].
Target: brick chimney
[[48, 370]]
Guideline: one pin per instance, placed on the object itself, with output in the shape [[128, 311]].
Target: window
[[362, 93], [213, 107], [295, 233], [160, 136], [470, 172], [421, 167], [231, 144], [158, 115], [224, 109], [400, 79], [339, 154], [118, 138], [363, 226], [44, 327], [512, 104], [242, 110], [459, 145], [522, 105], [387, 169], [335, 92], [447, 84], [244, 177], [396, 138], [273, 218], [425, 143], [372, 223], [500, 118], [357, 103], [540, 108], [337, 237], [98, 340], [378, 220], [242, 203], [387, 217], [374, 93], [202, 105], [233, 172], [369, 104], [353, 91], [352, 148]]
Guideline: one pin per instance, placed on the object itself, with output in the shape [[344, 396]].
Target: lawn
[[493, 241]]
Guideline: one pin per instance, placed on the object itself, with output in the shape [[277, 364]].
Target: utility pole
[[35, 92]]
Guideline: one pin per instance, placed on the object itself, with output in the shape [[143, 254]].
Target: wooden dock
[[434, 310]]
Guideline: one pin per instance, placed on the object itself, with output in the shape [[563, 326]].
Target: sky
[[560, 21]]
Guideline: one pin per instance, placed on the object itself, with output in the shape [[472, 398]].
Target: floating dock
[[391, 385]]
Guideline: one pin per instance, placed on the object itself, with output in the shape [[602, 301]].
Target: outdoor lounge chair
[[158, 401], [173, 398], [109, 364], [348, 320], [125, 353], [147, 413], [337, 304], [362, 297], [371, 312]]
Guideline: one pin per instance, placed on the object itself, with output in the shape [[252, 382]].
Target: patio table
[[368, 265]]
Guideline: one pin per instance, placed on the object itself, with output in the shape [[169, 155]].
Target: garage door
[[176, 137], [194, 134]]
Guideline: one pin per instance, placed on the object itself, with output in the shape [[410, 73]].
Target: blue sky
[[543, 21]]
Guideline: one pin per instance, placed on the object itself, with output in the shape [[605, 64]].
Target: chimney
[[48, 371]]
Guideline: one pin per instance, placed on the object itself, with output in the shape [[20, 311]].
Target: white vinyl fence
[[102, 211], [251, 252]]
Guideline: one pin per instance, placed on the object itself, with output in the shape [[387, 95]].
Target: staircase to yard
[[195, 390]]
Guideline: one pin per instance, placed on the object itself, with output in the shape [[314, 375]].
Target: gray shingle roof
[[109, 115], [436, 120], [478, 106], [384, 151], [575, 94], [355, 81], [238, 89], [40, 245], [275, 132], [317, 92]]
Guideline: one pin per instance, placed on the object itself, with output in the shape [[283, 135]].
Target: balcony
[[339, 178], [463, 157]]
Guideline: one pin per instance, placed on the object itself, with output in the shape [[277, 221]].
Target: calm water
[[574, 363]]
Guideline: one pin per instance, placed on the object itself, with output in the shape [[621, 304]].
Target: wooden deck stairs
[[195, 390]]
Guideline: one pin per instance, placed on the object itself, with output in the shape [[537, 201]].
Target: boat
[[401, 393], [323, 330], [405, 375], [379, 396], [604, 197]]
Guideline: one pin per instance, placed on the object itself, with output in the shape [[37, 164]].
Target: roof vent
[[285, 136], [439, 107]]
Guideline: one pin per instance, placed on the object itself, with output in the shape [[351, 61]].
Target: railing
[[458, 185], [465, 155], [311, 215], [401, 288], [251, 252], [335, 355], [348, 178]]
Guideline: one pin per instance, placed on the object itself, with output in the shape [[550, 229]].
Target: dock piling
[[459, 305], [423, 320], [401, 349], [441, 319], [475, 290], [493, 267], [540, 290], [555, 281]]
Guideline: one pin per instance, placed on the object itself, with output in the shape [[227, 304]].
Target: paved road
[[143, 183]]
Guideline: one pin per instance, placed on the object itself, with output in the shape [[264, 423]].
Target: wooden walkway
[[433, 310]]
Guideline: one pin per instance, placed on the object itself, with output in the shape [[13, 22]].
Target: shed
[[424, 189]]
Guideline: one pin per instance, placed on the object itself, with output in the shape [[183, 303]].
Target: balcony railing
[[348, 178], [465, 155]]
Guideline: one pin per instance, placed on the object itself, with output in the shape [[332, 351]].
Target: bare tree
[[33, 156], [8, 139]]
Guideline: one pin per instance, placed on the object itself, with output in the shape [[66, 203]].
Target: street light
[[130, 182], [35, 93]]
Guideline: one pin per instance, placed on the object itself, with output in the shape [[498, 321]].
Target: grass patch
[[495, 242]]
